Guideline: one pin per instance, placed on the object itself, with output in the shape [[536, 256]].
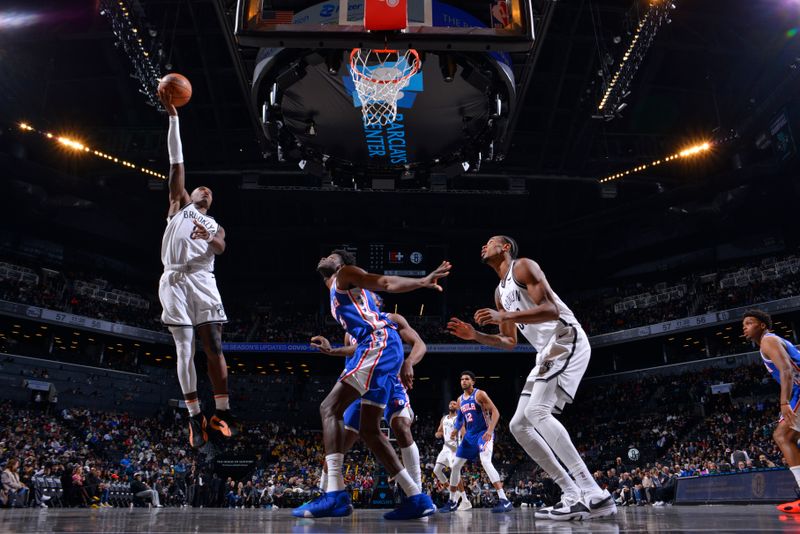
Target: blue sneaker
[[331, 504], [451, 506], [503, 506], [413, 508]]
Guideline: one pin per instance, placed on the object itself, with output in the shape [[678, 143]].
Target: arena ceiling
[[715, 69]]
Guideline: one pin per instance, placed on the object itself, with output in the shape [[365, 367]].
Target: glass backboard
[[468, 25]]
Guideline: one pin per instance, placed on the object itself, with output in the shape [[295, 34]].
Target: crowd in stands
[[626, 305], [677, 424], [629, 305]]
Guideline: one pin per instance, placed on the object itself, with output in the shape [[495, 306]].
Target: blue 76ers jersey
[[794, 358], [472, 414], [356, 311]]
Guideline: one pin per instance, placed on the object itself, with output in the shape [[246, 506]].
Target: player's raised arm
[[488, 406], [178, 196], [530, 274], [773, 348], [351, 276], [418, 349], [505, 339]]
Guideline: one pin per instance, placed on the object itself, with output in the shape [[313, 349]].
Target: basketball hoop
[[380, 77]]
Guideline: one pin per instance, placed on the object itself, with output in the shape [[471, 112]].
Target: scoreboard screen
[[398, 259], [395, 259]]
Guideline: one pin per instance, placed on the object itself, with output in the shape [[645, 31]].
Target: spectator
[[14, 492], [142, 491]]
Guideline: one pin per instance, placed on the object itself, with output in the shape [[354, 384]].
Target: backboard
[[461, 25]]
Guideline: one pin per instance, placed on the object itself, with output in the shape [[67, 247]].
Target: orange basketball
[[177, 86]]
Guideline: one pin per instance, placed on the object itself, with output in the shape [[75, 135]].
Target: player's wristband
[[784, 404]]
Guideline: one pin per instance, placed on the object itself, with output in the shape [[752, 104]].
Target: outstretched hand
[[442, 271], [166, 101], [460, 329], [486, 316]]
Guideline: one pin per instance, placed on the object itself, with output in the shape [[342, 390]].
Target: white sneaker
[[464, 505], [573, 510], [600, 504], [42, 505]]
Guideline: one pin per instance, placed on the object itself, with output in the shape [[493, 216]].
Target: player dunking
[[782, 360], [478, 414], [188, 290], [379, 355], [525, 300], [398, 412], [447, 456]]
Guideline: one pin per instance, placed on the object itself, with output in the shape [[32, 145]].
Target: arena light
[[126, 22], [80, 147], [694, 150], [616, 87]]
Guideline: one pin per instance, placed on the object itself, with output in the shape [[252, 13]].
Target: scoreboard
[[393, 258]]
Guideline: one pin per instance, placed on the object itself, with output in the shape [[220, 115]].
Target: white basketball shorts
[[564, 360], [190, 299], [446, 457]]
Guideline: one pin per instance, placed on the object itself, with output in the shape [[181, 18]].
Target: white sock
[[222, 402], [335, 478], [410, 457], [323, 481], [501, 494], [407, 483], [193, 406], [557, 438], [796, 472], [538, 450]]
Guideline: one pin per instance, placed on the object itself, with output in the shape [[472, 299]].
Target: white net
[[380, 77]]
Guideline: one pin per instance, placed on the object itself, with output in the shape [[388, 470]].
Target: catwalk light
[[688, 152], [617, 85], [130, 27], [80, 147]]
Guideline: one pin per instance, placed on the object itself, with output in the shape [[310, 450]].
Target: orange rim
[[415, 65]]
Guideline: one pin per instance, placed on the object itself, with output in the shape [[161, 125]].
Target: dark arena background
[[642, 152]]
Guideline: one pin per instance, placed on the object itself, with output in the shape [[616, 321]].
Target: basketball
[[178, 87]]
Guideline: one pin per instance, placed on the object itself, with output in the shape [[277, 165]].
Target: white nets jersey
[[177, 246], [514, 297], [448, 425]]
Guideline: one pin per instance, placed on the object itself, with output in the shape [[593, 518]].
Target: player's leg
[[540, 412], [467, 450], [786, 437], [222, 421], [443, 461], [335, 502], [529, 439], [351, 419], [400, 416], [175, 314], [486, 449]]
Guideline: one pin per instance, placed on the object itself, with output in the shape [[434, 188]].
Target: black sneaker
[[224, 423], [198, 436], [576, 511]]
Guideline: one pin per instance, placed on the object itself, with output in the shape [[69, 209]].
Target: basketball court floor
[[718, 518]]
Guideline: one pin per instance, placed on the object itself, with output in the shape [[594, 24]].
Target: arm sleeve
[[174, 141]]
